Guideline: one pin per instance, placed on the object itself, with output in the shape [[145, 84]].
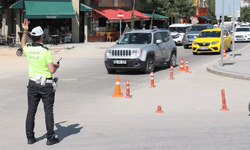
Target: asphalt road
[[87, 117]]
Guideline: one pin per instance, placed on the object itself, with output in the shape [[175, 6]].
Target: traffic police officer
[[41, 68]]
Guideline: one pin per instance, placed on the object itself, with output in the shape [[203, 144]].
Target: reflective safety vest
[[38, 57]]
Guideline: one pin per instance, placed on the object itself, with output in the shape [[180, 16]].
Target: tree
[[158, 6], [244, 14], [211, 11], [132, 17], [185, 8], [179, 8]]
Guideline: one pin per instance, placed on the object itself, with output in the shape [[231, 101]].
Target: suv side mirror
[[158, 41]]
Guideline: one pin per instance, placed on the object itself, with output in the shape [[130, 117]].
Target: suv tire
[[111, 71], [149, 65], [185, 46], [194, 53], [172, 60]]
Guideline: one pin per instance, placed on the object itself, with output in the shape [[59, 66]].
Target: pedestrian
[[127, 29], [40, 84], [58, 37], [46, 32]]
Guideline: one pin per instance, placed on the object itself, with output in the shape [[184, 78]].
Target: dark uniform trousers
[[35, 93]]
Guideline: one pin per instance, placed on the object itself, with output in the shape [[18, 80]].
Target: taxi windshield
[[208, 34], [135, 38]]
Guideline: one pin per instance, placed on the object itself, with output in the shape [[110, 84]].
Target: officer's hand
[[25, 24], [57, 64]]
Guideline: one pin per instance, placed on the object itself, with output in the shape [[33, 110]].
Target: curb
[[225, 74]]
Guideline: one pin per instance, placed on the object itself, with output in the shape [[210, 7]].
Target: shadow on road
[[63, 132]]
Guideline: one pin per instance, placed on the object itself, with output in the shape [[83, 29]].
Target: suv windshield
[[209, 34], [243, 29], [135, 38], [197, 28], [177, 29]]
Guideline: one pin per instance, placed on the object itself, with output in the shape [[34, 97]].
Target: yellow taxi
[[209, 41]]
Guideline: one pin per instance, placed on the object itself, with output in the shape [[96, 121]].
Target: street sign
[[120, 15], [228, 8]]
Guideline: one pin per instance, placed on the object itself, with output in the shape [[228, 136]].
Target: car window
[[198, 28], [135, 38], [177, 29], [157, 36], [208, 34], [225, 33], [165, 36], [242, 29]]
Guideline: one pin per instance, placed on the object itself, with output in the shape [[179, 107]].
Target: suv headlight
[[108, 52], [215, 42], [135, 53], [194, 43]]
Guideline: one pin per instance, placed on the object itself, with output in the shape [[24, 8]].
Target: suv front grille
[[121, 52], [202, 44]]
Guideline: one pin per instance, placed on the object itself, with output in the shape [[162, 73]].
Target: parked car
[[141, 50], [193, 33], [209, 41], [178, 31], [242, 34]]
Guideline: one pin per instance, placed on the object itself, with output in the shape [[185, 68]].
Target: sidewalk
[[7, 52], [234, 67]]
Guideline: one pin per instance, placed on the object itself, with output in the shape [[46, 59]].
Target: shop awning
[[85, 8], [49, 9], [111, 14], [17, 5], [157, 16], [205, 17]]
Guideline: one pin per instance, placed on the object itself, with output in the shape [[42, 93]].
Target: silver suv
[[193, 33], [141, 50]]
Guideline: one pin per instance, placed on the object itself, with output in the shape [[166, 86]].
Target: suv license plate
[[120, 62], [203, 47]]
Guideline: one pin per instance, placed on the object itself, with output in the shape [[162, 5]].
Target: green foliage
[[244, 14], [211, 11], [158, 6], [179, 8]]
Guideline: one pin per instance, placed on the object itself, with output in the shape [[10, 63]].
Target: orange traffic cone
[[224, 105], [117, 88], [159, 110], [187, 70], [182, 65], [224, 52]]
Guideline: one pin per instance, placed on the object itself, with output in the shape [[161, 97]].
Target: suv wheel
[[185, 46], [194, 53], [150, 65], [172, 61], [111, 71]]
